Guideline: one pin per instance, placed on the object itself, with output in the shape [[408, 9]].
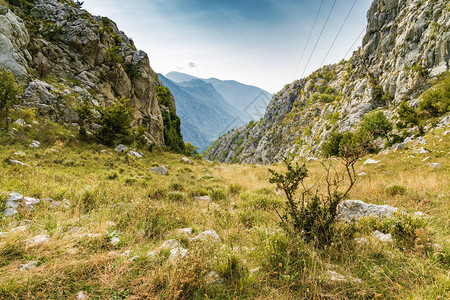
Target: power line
[[320, 35], [309, 37], [364, 29], [337, 35]]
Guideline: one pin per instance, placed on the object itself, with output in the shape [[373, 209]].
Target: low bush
[[395, 189]]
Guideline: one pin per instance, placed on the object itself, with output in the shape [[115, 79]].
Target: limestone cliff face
[[406, 46], [66, 55]]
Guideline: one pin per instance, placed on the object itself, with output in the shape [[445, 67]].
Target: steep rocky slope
[[405, 49], [66, 56]]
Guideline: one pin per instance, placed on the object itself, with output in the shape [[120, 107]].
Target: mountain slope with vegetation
[[204, 113], [68, 58], [210, 107], [405, 51]]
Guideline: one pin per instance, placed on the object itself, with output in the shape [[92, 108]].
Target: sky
[[256, 42]]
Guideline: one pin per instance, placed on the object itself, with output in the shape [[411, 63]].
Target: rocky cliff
[[66, 56], [405, 49]]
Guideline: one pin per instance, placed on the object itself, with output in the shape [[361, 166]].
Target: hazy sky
[[257, 42]]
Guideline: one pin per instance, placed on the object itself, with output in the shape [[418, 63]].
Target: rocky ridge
[[405, 49], [66, 56]]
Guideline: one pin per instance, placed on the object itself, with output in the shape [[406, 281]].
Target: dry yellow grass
[[147, 209]]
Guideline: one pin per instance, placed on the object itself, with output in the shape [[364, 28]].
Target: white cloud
[[187, 65]]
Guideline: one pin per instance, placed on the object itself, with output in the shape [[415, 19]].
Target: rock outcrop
[[406, 47], [66, 56]]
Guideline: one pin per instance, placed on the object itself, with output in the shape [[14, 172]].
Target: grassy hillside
[[112, 195]]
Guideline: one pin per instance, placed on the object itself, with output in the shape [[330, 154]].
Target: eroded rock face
[[407, 44], [91, 58]]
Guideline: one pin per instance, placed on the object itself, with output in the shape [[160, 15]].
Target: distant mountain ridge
[[210, 107]]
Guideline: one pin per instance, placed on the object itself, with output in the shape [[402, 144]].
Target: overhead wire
[[364, 29], [320, 35], [337, 35], [309, 37]]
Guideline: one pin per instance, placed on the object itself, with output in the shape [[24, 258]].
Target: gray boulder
[[356, 209], [162, 170], [121, 148]]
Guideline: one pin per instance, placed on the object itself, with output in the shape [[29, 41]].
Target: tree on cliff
[[9, 92]]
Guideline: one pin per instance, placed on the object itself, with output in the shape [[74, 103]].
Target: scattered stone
[[35, 144], [126, 253], [38, 240], [208, 235], [20, 122], [426, 158], [82, 295], [371, 162], [29, 202], [398, 146], [446, 132], [170, 244], [420, 151], [420, 140], [52, 150], [187, 160], [362, 174], [20, 153], [385, 152], [110, 224], [385, 238], [437, 247], [9, 212], [134, 154], [115, 241], [213, 278], [121, 148], [360, 241], [334, 276], [17, 162], [27, 266], [134, 258], [435, 165], [311, 159], [103, 151], [356, 209], [14, 197], [94, 235], [162, 170], [202, 198], [177, 254], [419, 214]]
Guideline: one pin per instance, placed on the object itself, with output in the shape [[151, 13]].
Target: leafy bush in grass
[[395, 189]]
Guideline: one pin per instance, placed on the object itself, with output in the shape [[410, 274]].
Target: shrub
[[191, 150], [172, 132], [218, 195], [176, 186], [115, 121], [395, 189], [375, 124], [408, 114], [9, 92], [234, 189], [175, 196], [231, 268], [436, 100]]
